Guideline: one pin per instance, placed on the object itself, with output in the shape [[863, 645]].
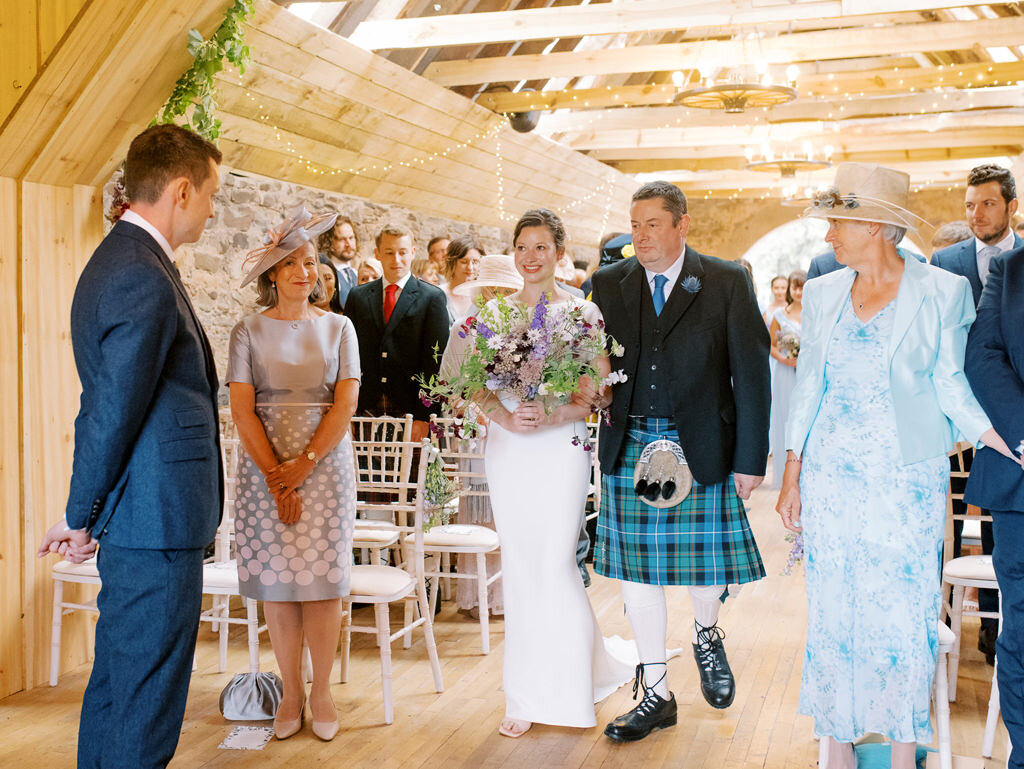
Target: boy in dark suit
[[147, 481], [995, 369], [402, 326]]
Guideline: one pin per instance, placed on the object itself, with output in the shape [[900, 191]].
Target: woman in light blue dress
[[880, 398]]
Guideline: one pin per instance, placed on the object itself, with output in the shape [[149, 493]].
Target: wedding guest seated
[[424, 269], [402, 326], [369, 269], [950, 233], [879, 399], [340, 245], [461, 263], [293, 374]]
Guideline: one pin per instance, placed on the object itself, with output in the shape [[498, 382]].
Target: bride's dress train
[[556, 663]]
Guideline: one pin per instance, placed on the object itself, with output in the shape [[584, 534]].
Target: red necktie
[[389, 300]]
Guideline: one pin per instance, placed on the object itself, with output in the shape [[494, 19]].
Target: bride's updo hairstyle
[[542, 217]]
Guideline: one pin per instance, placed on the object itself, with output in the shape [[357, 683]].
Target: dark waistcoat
[[650, 393]]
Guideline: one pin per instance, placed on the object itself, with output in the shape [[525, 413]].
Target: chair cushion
[[222, 575], [970, 567], [379, 582], [460, 535], [972, 529], [946, 638], [374, 536]]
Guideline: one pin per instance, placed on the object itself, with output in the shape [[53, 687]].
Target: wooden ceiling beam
[[641, 118], [611, 143], [898, 78], [884, 156], [615, 18], [802, 46]]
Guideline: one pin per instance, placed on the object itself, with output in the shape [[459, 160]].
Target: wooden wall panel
[[19, 54], [60, 228], [53, 19], [12, 676]]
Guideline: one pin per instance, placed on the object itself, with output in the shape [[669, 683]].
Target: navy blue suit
[[962, 258], [825, 263], [147, 482], [995, 369]]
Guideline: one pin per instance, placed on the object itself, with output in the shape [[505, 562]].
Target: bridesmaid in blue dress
[[879, 399]]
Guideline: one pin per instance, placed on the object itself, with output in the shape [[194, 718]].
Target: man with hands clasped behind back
[[147, 479]]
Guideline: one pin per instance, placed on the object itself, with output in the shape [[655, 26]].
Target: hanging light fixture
[[788, 163], [741, 91]]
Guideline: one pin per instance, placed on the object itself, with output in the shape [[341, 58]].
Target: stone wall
[[247, 206]]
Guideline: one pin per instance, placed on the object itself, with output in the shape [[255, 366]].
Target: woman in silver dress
[[294, 381]]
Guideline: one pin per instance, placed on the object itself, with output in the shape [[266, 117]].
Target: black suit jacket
[[962, 258], [717, 350], [393, 355], [995, 369], [147, 470]]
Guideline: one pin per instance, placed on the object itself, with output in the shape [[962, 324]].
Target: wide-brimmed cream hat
[[496, 271], [867, 192], [300, 227]]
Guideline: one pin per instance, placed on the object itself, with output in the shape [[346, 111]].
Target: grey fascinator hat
[[300, 227]]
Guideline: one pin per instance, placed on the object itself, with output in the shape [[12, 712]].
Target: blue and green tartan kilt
[[704, 540]]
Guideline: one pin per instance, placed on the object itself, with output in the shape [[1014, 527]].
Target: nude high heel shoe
[[285, 729], [326, 730]]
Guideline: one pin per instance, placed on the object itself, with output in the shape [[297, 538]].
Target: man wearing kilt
[[696, 356]]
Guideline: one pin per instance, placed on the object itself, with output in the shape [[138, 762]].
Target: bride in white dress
[[556, 666]]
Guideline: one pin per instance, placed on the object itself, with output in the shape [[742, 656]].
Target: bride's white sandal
[[514, 727]]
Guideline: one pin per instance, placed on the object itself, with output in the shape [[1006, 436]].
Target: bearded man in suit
[[696, 358], [147, 481]]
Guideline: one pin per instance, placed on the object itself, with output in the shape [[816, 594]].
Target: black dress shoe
[[652, 713], [716, 681], [987, 644]]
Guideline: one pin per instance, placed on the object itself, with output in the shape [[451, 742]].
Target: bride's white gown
[[556, 666]]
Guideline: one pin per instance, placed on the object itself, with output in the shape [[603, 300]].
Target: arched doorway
[[789, 247]]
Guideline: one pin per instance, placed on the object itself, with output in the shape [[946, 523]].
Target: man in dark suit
[[696, 360], [147, 481], [402, 326], [990, 202], [825, 263], [995, 369]]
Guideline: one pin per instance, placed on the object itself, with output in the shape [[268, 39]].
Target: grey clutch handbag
[[251, 697]]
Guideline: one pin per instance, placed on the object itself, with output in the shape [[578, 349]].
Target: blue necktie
[[659, 293]]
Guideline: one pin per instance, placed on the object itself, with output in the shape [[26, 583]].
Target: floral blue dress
[[872, 537]]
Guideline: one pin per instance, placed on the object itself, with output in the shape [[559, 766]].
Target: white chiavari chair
[[382, 585]]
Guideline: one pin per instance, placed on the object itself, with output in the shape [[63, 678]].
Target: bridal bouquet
[[541, 354], [789, 343]]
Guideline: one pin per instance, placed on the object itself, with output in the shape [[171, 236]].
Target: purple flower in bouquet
[[540, 313], [796, 553]]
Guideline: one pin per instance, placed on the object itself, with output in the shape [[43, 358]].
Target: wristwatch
[[312, 457]]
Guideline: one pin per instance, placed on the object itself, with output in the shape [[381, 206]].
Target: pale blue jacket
[[933, 402]]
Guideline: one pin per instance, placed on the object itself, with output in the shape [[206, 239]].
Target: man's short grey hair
[[672, 198], [893, 234]]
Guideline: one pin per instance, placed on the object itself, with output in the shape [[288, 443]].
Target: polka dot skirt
[[309, 560]]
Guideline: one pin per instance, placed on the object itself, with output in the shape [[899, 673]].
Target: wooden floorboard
[[456, 729]]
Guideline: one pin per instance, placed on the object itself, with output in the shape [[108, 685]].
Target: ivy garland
[[195, 88]]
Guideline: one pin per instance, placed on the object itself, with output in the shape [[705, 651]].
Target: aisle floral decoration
[[532, 355], [440, 491]]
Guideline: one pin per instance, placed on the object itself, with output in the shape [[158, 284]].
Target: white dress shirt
[[134, 218], [672, 273], [984, 262]]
